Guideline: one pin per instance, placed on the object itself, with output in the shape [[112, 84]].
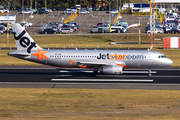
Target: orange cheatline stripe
[[82, 66], [121, 65]]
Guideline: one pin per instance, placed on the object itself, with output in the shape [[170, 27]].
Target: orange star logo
[[71, 62], [40, 54]]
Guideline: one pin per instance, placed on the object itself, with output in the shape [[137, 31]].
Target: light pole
[[109, 15], [31, 8], [23, 10], [35, 5], [8, 21], [120, 6], [117, 5], [45, 4]]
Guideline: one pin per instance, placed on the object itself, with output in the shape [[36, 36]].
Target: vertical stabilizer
[[23, 39]]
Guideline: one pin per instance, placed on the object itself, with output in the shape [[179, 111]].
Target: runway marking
[[102, 80], [29, 68], [63, 71], [166, 76], [139, 72]]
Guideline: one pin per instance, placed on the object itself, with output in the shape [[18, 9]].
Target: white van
[[78, 7]]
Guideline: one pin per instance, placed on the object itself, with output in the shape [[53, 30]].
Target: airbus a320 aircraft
[[105, 61]]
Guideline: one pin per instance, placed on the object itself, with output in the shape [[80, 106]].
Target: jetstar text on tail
[[120, 57], [24, 41]]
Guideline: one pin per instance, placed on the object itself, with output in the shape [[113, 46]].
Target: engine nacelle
[[111, 69]]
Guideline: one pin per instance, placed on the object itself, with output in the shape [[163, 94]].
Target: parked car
[[53, 9], [24, 25], [70, 25], [169, 18], [157, 30], [19, 9], [73, 9], [66, 30], [123, 23], [76, 24], [102, 8], [95, 9], [2, 29], [82, 11], [27, 12], [50, 31], [5, 25], [118, 28], [99, 24], [174, 29], [2, 10], [58, 8], [100, 29], [42, 11], [68, 11], [113, 11], [11, 8]]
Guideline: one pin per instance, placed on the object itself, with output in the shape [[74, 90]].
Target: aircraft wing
[[103, 64], [92, 63], [83, 63]]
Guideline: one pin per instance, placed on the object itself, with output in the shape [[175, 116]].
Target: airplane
[[104, 61]]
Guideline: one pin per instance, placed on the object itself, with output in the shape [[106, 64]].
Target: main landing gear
[[95, 71]]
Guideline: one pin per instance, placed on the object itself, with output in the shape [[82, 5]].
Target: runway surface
[[50, 77]]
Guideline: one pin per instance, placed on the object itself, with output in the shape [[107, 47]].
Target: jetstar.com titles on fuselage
[[120, 57]]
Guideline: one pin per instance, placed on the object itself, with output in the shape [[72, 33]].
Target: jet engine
[[111, 69]]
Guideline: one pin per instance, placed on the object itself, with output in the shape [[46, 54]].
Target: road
[[50, 77]]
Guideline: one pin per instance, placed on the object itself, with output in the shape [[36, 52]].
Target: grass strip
[[90, 104]]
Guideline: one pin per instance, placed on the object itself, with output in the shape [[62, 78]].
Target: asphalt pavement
[[50, 77]]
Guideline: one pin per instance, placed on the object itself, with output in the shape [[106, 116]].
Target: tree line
[[62, 3]]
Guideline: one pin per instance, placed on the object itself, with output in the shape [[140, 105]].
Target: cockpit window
[[161, 56]]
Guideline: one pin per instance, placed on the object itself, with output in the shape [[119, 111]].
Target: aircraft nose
[[169, 62]]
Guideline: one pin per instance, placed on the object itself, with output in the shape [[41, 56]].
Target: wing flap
[[92, 63]]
